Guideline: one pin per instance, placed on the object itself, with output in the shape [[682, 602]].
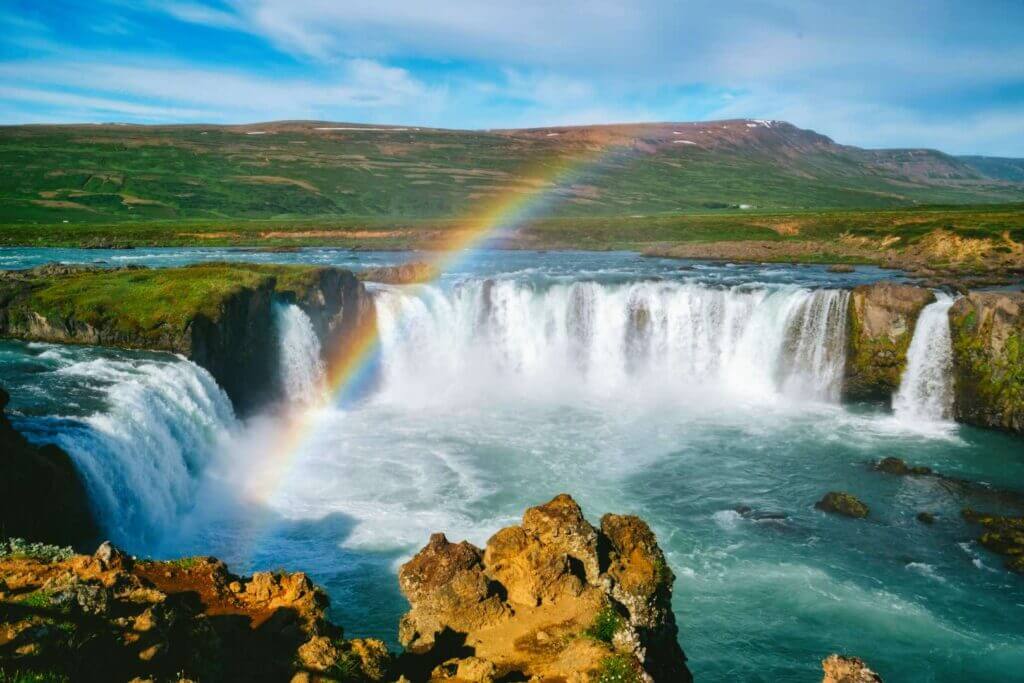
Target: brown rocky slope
[[552, 599]]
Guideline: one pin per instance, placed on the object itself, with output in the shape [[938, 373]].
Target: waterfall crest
[[300, 360], [926, 388], [748, 339], [140, 457]]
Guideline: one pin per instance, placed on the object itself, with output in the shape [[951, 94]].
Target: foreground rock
[[1003, 535], [881, 324], [988, 351], [841, 669], [845, 504], [107, 617], [219, 315], [554, 598], [41, 495]]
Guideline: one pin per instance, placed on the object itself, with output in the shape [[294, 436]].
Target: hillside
[[113, 173], [1002, 168]]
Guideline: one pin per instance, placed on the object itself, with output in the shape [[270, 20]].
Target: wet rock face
[[987, 330], [841, 669], [42, 497], [840, 503], [108, 617], [553, 598], [880, 326]]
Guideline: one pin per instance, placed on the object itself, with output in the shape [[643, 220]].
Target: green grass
[[154, 303], [606, 624], [135, 174], [20, 676], [618, 669], [595, 232]]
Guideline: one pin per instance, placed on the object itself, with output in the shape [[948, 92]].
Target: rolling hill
[[112, 173]]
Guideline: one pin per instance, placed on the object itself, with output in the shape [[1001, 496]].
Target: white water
[[926, 388], [302, 367], [141, 456], [602, 339]]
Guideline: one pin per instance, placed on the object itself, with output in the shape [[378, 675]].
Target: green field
[[627, 187]]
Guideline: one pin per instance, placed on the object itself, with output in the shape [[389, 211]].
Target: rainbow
[[352, 365]]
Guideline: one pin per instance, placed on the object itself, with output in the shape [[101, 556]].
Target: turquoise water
[[473, 422]]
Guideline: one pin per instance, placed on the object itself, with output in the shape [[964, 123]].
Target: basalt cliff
[[218, 315]]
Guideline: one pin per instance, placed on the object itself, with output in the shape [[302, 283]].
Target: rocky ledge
[[552, 599], [880, 326], [107, 617], [988, 359], [218, 315]]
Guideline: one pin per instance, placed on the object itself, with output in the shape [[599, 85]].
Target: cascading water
[[754, 341], [302, 367], [140, 428], [926, 388]]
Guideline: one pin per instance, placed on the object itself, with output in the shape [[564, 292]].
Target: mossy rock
[[987, 330], [880, 325], [841, 503], [892, 465]]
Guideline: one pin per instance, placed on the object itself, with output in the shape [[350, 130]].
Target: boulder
[[840, 503], [553, 598], [897, 466], [842, 669], [1001, 534], [987, 330], [881, 320]]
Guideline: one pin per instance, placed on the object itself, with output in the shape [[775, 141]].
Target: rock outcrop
[[880, 326], [218, 315], [554, 598], [988, 359], [41, 495], [1003, 535], [841, 669], [840, 503], [404, 274], [107, 617]]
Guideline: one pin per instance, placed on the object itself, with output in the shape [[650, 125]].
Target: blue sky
[[948, 75]]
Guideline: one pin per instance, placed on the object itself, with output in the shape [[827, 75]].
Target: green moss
[[874, 365], [20, 676], [618, 669], [38, 599], [153, 304], [19, 548], [606, 624], [989, 380]]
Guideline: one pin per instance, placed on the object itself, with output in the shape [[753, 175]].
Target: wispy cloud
[[949, 75]]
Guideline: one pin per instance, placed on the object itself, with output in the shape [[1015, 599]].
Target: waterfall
[[302, 367], [163, 419], [752, 340], [926, 388]]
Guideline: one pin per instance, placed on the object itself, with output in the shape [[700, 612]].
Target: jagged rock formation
[[842, 669], [219, 316], [881, 324], [30, 474], [554, 598], [988, 359], [107, 617]]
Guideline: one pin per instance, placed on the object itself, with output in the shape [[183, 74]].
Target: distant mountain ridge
[[1001, 168], [89, 173]]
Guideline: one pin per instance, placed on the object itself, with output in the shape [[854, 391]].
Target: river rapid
[[703, 397]]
